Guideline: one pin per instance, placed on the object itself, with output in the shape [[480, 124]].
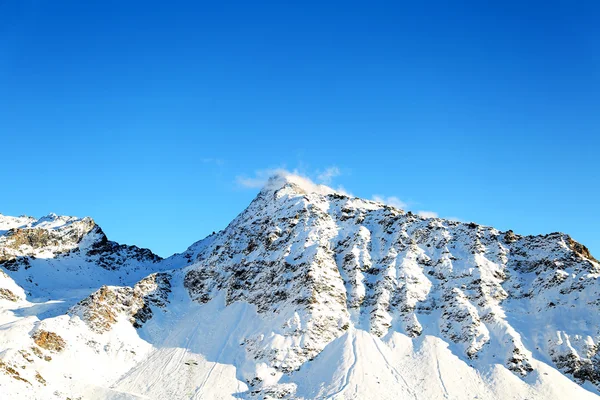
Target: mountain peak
[[295, 184], [308, 293], [50, 221]]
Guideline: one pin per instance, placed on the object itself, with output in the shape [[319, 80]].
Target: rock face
[[308, 284], [103, 308], [7, 295], [49, 340], [325, 261], [51, 234], [55, 236], [65, 254]]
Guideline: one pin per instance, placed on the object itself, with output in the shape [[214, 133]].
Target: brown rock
[[49, 340], [8, 295]]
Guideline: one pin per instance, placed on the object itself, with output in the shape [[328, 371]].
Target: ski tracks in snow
[[393, 369], [439, 371], [164, 357], [350, 369], [200, 388]]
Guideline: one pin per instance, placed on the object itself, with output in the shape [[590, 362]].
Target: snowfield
[[307, 294]]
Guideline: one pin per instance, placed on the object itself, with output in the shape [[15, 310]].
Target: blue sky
[[156, 118]]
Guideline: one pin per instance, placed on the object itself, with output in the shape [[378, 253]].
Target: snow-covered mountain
[[308, 293]]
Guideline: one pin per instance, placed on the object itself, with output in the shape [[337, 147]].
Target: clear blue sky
[[144, 115]]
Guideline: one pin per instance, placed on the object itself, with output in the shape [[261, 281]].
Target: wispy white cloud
[[391, 201], [273, 176], [251, 183], [321, 177], [396, 202], [261, 177], [326, 177], [427, 214], [342, 190]]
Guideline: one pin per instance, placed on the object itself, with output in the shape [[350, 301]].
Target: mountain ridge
[[306, 273]]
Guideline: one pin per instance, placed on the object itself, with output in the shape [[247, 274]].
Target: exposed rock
[[111, 255], [62, 236], [29, 241], [324, 260], [39, 378], [8, 295], [14, 263], [36, 350], [319, 264], [103, 308], [510, 237], [49, 340], [26, 355], [580, 250], [12, 372]]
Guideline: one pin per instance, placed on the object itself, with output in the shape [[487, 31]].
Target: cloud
[[427, 214], [251, 183], [391, 201], [321, 177], [273, 177], [342, 190], [326, 177], [261, 177], [396, 202]]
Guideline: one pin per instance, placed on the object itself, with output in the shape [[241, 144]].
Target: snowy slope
[[62, 257], [48, 266], [308, 293]]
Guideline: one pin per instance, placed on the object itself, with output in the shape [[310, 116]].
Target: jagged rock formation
[[55, 236], [325, 260], [50, 234], [67, 253], [48, 340], [308, 287], [103, 308]]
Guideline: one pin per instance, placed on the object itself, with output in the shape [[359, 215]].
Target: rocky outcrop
[[49, 340], [36, 239], [13, 372], [55, 236], [6, 294], [103, 308], [111, 255]]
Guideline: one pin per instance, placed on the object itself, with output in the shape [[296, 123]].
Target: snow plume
[[427, 214], [396, 202], [269, 179], [262, 177], [325, 177], [391, 201]]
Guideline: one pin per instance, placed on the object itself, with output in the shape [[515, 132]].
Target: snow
[[197, 353], [50, 221], [308, 293], [306, 186], [7, 222], [359, 365]]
